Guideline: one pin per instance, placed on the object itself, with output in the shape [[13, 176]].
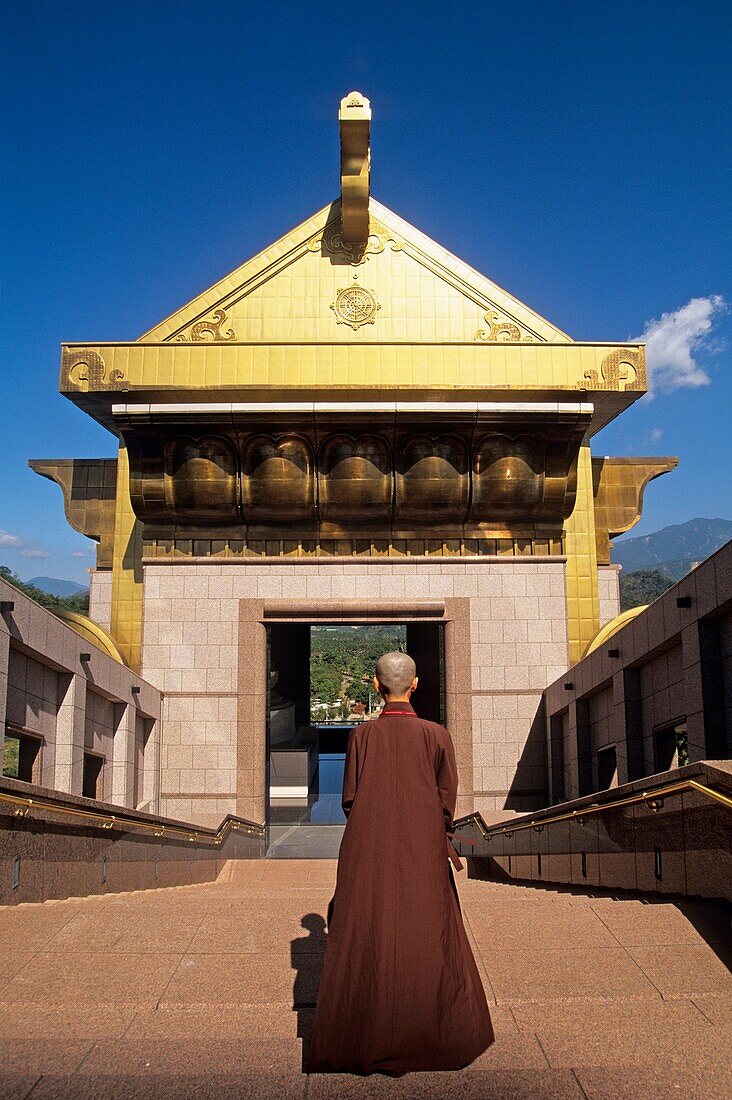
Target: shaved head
[[395, 673]]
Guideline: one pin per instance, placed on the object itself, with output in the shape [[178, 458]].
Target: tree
[[342, 659], [79, 602], [641, 587]]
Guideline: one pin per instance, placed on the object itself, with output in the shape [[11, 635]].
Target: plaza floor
[[207, 991]]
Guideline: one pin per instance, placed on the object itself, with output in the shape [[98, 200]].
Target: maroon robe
[[399, 989]]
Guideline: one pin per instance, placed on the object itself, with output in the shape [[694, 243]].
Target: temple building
[[354, 427]]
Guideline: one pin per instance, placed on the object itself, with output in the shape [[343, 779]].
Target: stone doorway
[[453, 669], [310, 715]]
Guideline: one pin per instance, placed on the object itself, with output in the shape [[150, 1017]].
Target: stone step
[[209, 989]]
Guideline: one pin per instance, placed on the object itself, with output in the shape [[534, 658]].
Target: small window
[[92, 779], [607, 768], [22, 757]]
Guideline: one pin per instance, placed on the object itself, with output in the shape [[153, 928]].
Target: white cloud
[[672, 341], [78, 554], [6, 539], [656, 434], [20, 543]]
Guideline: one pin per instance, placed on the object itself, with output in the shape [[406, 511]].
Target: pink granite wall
[[516, 643]]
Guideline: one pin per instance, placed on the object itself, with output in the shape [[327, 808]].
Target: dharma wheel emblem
[[355, 306]]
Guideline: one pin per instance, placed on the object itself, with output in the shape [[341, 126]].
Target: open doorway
[[319, 687]]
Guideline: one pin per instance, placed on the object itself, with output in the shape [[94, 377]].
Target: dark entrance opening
[[670, 746], [91, 783], [607, 768], [319, 687]]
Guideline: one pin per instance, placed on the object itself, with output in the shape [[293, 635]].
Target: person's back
[[400, 990]]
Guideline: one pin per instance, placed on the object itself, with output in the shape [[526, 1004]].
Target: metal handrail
[[121, 821], [652, 798]]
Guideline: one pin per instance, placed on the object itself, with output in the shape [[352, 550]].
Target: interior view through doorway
[[320, 684]]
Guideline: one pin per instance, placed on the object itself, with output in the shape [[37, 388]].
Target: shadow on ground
[[306, 954]]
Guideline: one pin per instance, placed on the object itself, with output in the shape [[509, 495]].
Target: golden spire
[[354, 118]]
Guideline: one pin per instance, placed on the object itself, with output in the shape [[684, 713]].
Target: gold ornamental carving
[[210, 330], [501, 331], [331, 241], [355, 306], [86, 370], [621, 365]]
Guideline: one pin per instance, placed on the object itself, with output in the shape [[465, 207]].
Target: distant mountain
[[56, 587], [674, 549]]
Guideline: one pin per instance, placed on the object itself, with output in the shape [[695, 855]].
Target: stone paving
[[207, 991]]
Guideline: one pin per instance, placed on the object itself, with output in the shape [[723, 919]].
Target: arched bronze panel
[[431, 480], [200, 480], [355, 480], [278, 481], [508, 478], [147, 475]]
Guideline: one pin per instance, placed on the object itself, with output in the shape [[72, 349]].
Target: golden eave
[[611, 376]]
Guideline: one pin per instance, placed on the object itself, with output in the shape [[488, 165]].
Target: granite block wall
[[102, 719], [516, 644], [608, 584], [671, 664], [100, 596], [662, 697], [62, 690], [33, 693]]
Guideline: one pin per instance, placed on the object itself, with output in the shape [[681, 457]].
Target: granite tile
[[90, 977], [40, 1021], [541, 926], [40, 1055], [505, 1084], [16, 1086], [547, 974], [247, 977], [210, 1085], [618, 1034], [652, 1084], [657, 923], [683, 970]]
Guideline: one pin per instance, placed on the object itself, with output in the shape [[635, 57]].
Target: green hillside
[[78, 602], [342, 660]]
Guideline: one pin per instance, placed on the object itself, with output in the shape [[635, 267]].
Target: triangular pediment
[[312, 286]]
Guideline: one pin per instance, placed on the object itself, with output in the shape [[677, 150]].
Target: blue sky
[[577, 153]]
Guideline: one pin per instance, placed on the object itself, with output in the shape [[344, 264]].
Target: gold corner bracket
[[354, 119]]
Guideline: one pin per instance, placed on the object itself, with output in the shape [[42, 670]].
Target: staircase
[[207, 991]]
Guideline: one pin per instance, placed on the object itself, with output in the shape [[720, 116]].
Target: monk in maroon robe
[[399, 990]]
